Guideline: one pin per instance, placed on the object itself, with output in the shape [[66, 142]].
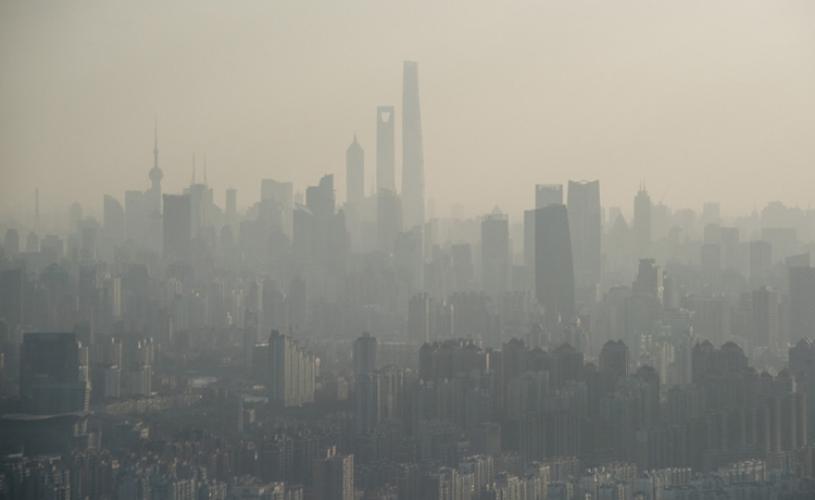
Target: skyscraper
[[412, 155], [388, 218], [495, 255], [548, 194], [365, 354], [585, 227], [802, 299], [385, 149], [554, 271], [53, 374], [354, 172], [177, 227], [642, 222], [113, 219], [334, 476], [292, 371]]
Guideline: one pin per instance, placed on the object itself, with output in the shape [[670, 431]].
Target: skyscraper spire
[[205, 169], [155, 144], [193, 170], [155, 173]]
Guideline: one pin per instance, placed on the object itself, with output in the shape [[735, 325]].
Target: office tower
[[354, 173], [585, 227], [385, 149], [388, 219], [136, 216], [365, 354], [277, 205], [412, 155], [802, 303], [291, 371], [529, 247], [548, 194], [333, 476], [177, 227], [320, 198], [766, 317], [53, 374], [649, 280], [495, 253], [554, 272], [642, 222], [113, 219], [202, 206]]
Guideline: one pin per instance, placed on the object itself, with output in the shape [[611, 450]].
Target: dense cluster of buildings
[[298, 346]]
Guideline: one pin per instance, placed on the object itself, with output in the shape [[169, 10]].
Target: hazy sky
[[699, 99]]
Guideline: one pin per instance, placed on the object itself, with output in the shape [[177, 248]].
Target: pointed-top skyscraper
[[412, 155], [354, 172], [156, 175]]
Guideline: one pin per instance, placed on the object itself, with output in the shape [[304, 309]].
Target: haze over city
[[628, 91], [407, 251]]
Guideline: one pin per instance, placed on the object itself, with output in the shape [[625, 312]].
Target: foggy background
[[697, 99]]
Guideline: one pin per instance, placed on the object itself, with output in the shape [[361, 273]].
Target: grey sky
[[699, 99]]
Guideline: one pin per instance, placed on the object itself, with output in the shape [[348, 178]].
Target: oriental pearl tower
[[156, 175]]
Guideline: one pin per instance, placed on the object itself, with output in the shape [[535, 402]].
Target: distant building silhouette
[[385, 149], [548, 194], [802, 303], [554, 271], [585, 227], [53, 374], [495, 253], [413, 200], [642, 223], [354, 173], [177, 227]]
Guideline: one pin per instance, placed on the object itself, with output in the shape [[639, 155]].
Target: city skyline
[[577, 110], [362, 250]]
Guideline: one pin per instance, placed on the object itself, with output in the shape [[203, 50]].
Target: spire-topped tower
[[355, 172], [155, 175]]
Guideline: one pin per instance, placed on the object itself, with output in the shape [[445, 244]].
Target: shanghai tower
[[412, 156]]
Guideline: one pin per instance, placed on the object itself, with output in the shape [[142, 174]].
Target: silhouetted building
[[495, 253], [548, 194], [53, 374], [412, 154], [354, 172], [642, 222], [385, 149], [177, 228], [802, 303], [292, 371], [585, 227], [334, 476], [554, 271], [365, 354]]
